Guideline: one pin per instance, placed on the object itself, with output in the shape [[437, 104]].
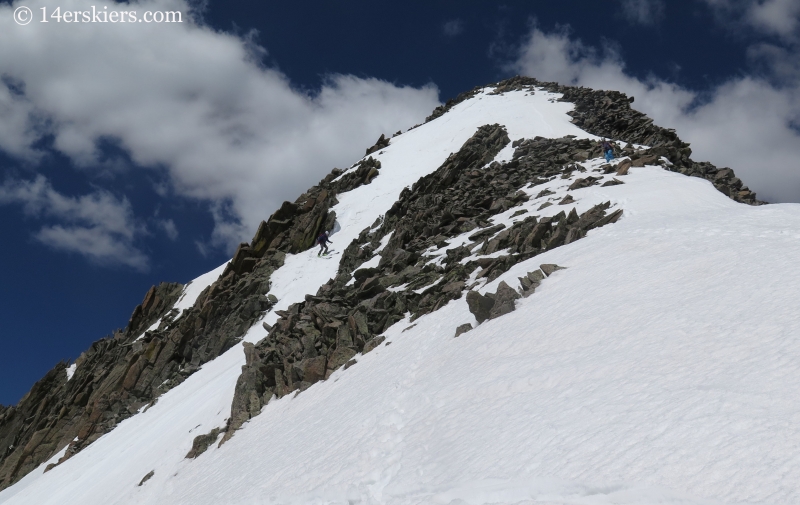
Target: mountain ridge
[[158, 359]]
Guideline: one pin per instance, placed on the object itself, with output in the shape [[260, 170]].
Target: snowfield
[[662, 366]]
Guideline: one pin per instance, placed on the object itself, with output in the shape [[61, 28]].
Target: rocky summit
[[339, 379]]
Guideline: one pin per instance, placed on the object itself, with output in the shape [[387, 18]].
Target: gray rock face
[[584, 183], [118, 375], [463, 329], [479, 305], [202, 442], [503, 301], [549, 268], [380, 144]]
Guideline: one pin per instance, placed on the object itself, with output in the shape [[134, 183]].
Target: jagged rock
[[372, 344], [504, 300], [463, 329], [479, 305], [642, 161], [612, 182], [311, 370], [624, 166], [147, 477], [536, 277], [549, 268], [611, 218], [380, 144], [566, 200], [530, 282], [338, 358], [202, 442], [583, 183], [486, 232]]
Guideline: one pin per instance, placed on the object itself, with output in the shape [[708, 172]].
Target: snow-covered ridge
[[654, 369]]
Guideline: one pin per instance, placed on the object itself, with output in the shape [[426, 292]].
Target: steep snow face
[[660, 367]]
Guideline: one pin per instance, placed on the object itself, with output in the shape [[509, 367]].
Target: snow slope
[[660, 367]]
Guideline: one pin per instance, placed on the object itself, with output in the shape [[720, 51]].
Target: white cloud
[[169, 228], [746, 123], [101, 226], [95, 243], [643, 12], [777, 16], [192, 102], [453, 27], [774, 17]]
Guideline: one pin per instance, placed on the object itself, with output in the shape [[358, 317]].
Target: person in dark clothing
[[323, 242]]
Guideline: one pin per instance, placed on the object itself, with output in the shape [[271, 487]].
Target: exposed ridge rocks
[[380, 144], [314, 338], [295, 226], [609, 114], [347, 314], [124, 373], [502, 301], [57, 410], [121, 374]]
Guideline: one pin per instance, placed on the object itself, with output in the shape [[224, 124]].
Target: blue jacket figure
[[323, 242], [608, 150]]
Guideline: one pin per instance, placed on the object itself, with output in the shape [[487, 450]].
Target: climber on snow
[[323, 242], [608, 150]]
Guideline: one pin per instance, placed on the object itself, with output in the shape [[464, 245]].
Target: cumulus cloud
[[453, 27], [777, 16], [643, 12], [99, 225], [774, 17], [189, 101], [746, 123]]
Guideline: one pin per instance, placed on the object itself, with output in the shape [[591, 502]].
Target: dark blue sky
[[53, 303]]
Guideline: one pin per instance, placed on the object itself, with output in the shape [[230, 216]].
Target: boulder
[[463, 329], [504, 300], [338, 358], [372, 344], [623, 167], [202, 442], [583, 183], [479, 305], [549, 268], [311, 370]]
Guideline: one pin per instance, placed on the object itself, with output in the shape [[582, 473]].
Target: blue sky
[[134, 154]]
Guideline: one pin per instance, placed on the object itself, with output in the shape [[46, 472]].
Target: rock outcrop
[[123, 373], [609, 114], [345, 316]]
